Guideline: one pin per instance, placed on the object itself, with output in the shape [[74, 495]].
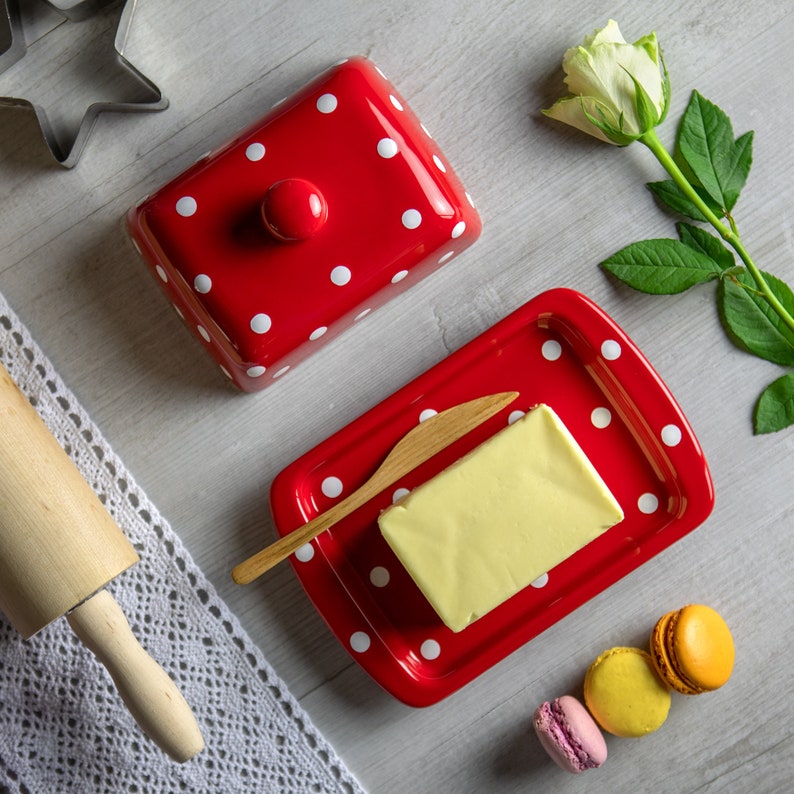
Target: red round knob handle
[[294, 209]]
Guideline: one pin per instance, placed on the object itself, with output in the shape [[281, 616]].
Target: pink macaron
[[570, 735]]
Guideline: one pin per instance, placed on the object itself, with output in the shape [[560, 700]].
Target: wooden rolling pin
[[59, 547]]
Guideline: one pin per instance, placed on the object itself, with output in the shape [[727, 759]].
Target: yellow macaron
[[624, 694], [692, 649]]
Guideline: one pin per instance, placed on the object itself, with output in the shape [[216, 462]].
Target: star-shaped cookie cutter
[[66, 140]]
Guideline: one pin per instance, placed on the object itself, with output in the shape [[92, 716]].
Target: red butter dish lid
[[323, 210]]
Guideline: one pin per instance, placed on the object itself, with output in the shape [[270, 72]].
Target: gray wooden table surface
[[554, 204]]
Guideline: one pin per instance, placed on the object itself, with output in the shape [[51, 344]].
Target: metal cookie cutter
[[115, 84]]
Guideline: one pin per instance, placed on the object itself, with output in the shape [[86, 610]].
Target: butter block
[[499, 517]]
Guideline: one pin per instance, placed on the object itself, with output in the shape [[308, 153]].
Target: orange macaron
[[692, 649]]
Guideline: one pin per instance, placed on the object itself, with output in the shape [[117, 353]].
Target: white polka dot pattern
[[332, 487], [213, 229], [379, 576], [601, 417], [551, 350], [255, 151], [388, 574], [360, 641], [430, 649], [261, 323], [648, 503], [387, 148], [671, 435], [399, 493], [187, 206], [305, 553], [341, 275], [327, 103], [202, 283], [610, 350], [412, 219]]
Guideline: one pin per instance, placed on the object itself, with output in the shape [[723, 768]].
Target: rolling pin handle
[[149, 693]]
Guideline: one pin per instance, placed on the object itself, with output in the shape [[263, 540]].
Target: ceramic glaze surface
[[560, 349], [333, 203]]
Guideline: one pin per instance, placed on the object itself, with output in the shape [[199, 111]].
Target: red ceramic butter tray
[[333, 203], [559, 349]]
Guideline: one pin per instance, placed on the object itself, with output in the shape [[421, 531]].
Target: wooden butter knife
[[417, 446]]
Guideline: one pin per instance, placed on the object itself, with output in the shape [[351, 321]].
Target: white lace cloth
[[63, 727]]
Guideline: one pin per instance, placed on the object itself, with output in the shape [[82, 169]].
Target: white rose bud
[[618, 91]]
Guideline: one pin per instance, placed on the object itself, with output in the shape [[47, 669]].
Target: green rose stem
[[729, 234]]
